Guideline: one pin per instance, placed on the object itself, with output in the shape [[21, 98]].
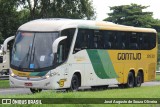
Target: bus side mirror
[[5, 43], [56, 43]]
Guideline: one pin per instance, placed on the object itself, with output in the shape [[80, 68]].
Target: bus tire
[[74, 83], [130, 80], [35, 90], [138, 80]]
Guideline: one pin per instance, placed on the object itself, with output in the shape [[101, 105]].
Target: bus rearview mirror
[[5, 43], [56, 43]]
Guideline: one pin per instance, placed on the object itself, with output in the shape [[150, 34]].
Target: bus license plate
[[28, 84]]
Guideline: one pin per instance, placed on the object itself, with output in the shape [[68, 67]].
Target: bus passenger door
[[82, 44]]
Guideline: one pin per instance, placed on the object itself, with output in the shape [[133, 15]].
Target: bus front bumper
[[48, 83]]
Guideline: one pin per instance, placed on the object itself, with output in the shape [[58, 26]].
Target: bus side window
[[59, 54], [83, 40], [107, 40], [65, 45], [152, 40], [98, 39], [133, 39], [123, 42], [120, 40], [149, 41], [62, 53], [141, 41]]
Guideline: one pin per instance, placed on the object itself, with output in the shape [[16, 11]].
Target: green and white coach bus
[[70, 53]]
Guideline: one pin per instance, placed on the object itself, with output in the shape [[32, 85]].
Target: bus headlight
[[47, 76], [51, 74], [12, 74]]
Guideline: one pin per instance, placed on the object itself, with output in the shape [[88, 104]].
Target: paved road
[[27, 91], [4, 77], [14, 91]]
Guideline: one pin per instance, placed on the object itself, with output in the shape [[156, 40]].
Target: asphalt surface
[[9, 91], [4, 77]]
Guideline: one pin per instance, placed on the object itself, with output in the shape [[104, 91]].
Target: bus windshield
[[33, 50]]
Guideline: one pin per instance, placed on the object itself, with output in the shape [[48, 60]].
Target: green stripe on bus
[[97, 64], [102, 64], [42, 73], [34, 73], [107, 63]]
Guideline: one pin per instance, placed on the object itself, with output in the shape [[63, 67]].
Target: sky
[[102, 6]]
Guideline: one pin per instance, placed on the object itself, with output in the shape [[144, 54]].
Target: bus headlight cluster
[[47, 76], [12, 74], [51, 74]]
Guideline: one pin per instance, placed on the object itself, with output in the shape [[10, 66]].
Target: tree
[[132, 15], [59, 8], [73, 9], [8, 19], [13, 13]]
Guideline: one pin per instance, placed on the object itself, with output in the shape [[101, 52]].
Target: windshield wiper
[[35, 58], [27, 55], [28, 52], [33, 54]]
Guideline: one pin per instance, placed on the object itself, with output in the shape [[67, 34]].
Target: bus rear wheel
[[130, 80], [139, 78], [35, 90], [74, 83]]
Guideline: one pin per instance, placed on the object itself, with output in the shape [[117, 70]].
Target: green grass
[[142, 92], [4, 84], [138, 92], [157, 77]]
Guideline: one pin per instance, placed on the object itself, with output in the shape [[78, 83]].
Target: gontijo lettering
[[129, 56]]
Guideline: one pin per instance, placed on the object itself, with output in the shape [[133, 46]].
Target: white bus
[[69, 53]]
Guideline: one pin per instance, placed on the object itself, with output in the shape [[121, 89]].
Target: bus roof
[[56, 24]]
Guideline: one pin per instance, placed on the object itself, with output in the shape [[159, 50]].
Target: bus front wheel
[[35, 90], [130, 80], [74, 83]]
